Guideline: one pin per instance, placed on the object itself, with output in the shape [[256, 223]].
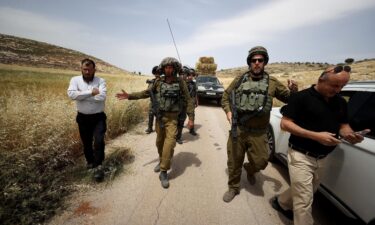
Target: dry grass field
[[40, 145]]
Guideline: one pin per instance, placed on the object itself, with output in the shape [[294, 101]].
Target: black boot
[[164, 179], [150, 123], [179, 135], [192, 132], [99, 173]]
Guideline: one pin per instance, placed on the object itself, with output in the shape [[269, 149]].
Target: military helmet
[[185, 70], [257, 50], [192, 72], [170, 61], [155, 70]]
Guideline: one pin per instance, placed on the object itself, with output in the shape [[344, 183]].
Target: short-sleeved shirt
[[309, 110]]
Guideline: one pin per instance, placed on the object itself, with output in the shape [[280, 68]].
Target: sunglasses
[[255, 60], [338, 69]]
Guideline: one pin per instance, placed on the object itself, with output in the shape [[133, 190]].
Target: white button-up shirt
[[81, 91]]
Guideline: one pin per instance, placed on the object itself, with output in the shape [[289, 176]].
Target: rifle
[[155, 106], [233, 130]]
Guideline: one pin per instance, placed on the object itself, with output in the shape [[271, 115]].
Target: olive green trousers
[[255, 146], [166, 139]]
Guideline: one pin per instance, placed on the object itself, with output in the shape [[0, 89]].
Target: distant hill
[[26, 52]]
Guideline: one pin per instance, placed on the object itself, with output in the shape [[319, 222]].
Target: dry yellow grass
[[40, 140]]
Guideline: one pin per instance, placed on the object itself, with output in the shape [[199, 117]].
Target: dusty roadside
[[197, 182]]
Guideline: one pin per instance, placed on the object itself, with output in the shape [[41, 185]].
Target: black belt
[[303, 151]]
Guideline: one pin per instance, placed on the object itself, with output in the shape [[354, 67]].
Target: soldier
[[170, 93], [187, 75], [192, 87], [151, 113], [250, 97]]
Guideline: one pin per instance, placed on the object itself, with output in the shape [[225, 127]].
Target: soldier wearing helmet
[[187, 75], [252, 94], [171, 94], [151, 113]]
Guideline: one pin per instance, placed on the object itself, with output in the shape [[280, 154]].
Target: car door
[[349, 172]]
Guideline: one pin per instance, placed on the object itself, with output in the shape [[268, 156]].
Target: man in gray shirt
[[89, 92]]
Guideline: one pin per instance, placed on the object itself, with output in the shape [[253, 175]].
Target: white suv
[[349, 180]]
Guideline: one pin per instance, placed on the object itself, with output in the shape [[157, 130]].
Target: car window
[[208, 79], [361, 110]]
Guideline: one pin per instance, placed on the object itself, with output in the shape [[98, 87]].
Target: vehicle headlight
[[220, 89], [201, 88]]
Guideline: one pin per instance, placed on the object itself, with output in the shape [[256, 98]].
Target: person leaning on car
[[316, 118], [254, 93]]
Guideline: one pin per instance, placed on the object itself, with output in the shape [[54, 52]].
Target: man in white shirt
[[89, 92]]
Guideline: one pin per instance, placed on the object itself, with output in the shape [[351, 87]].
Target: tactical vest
[[252, 96], [169, 97]]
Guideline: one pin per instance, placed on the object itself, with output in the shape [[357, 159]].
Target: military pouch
[[248, 97], [170, 100]]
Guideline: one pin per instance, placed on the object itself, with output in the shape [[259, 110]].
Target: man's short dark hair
[[88, 61]]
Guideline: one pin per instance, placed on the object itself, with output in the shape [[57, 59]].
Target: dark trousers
[[92, 129], [150, 118], [180, 122]]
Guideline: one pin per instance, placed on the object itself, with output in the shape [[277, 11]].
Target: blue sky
[[134, 35]]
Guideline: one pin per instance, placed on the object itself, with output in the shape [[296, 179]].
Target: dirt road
[[198, 180]]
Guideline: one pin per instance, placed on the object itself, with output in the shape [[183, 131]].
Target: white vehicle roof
[[360, 86]]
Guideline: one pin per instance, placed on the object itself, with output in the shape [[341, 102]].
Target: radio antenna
[[170, 29]]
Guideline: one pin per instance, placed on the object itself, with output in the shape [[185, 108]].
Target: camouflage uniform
[[192, 88], [166, 134], [151, 113], [252, 138]]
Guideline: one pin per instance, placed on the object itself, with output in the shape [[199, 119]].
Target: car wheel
[[271, 144]]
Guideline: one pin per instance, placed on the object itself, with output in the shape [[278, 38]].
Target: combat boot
[[157, 168], [179, 135], [229, 195], [164, 179], [192, 132]]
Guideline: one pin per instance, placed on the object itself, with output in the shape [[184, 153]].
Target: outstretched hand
[[122, 95], [292, 85]]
